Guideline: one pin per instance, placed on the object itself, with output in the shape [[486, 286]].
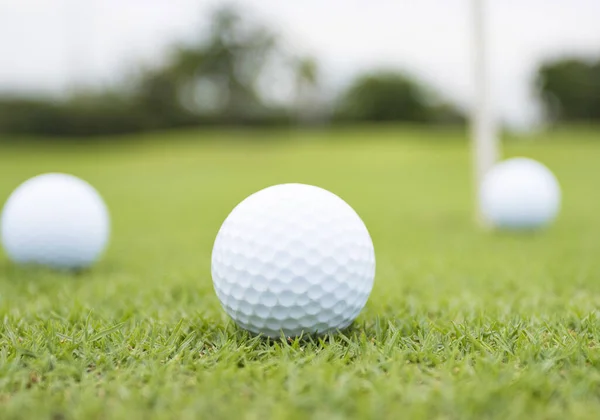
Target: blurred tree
[[225, 76], [157, 97], [570, 89], [308, 106], [392, 96], [213, 80], [78, 116], [216, 76]]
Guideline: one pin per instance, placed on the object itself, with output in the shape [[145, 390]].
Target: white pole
[[485, 143]]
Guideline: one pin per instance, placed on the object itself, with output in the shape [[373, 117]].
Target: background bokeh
[[89, 68]]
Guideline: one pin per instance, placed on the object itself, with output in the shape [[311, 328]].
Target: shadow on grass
[[232, 332], [37, 272]]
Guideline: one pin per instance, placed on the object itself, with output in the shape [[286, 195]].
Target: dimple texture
[[57, 220], [293, 258]]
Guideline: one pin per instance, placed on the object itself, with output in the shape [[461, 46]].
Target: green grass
[[461, 323]]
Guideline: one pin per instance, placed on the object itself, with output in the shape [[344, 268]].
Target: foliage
[[77, 116], [392, 96], [228, 62], [219, 79], [570, 89], [213, 80]]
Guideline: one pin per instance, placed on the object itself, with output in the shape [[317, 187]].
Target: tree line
[[225, 77]]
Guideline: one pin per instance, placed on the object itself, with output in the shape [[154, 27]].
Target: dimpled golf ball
[[520, 194], [55, 220], [293, 259]]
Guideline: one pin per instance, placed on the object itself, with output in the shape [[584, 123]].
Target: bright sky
[[50, 44]]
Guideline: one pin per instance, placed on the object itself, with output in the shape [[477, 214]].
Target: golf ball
[[55, 220], [293, 259], [520, 193]]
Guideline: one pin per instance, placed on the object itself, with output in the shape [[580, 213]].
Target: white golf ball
[[55, 220], [520, 193], [293, 258]]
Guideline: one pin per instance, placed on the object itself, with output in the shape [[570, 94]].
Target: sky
[[50, 45]]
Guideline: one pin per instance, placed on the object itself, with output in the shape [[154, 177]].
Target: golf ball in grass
[[293, 259], [520, 193], [55, 220]]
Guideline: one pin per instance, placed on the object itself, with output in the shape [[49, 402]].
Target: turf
[[462, 323]]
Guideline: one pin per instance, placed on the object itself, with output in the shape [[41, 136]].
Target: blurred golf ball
[[293, 258], [55, 220], [520, 193]]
